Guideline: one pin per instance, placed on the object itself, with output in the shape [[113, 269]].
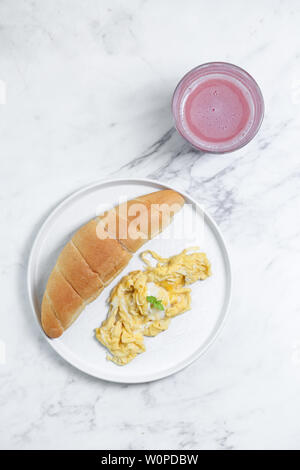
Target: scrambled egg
[[143, 302]]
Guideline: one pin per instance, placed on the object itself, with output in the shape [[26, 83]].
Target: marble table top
[[85, 94]]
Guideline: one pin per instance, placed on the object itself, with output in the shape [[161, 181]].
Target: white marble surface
[[88, 87]]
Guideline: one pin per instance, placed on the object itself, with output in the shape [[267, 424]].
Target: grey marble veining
[[88, 90]]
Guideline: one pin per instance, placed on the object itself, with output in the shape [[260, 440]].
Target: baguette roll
[[98, 252]]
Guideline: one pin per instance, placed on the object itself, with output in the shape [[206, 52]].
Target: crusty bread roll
[[98, 252]]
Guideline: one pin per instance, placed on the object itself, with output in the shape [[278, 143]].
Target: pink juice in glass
[[218, 107]]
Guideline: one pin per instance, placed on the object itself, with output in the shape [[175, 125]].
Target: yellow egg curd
[[143, 302]]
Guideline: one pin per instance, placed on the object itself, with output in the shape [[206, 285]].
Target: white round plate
[[189, 335]]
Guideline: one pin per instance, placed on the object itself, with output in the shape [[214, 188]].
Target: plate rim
[[228, 272]]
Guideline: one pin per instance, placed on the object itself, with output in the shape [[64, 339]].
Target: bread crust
[[78, 273], [51, 325], [104, 256], [95, 256], [165, 196], [65, 301], [135, 222]]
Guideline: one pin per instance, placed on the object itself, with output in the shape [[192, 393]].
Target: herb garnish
[[156, 303]]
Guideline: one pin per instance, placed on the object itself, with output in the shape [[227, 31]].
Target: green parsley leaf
[[155, 302]]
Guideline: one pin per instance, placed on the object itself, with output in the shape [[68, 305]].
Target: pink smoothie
[[216, 110], [218, 107]]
